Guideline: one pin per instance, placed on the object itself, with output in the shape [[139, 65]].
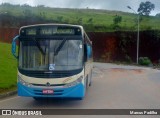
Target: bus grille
[[50, 75], [56, 85]]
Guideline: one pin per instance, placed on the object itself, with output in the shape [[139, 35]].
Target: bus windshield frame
[[37, 42]]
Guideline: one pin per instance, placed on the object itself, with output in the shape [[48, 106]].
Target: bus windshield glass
[[51, 55]]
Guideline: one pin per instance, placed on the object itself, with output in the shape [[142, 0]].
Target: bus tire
[[80, 98], [86, 82], [37, 98], [90, 83]]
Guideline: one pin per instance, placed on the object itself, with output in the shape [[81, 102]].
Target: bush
[[128, 59], [144, 61]]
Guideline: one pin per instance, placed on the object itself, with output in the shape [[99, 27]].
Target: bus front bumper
[[76, 91]]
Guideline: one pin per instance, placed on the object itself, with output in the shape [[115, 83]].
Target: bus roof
[[52, 24]]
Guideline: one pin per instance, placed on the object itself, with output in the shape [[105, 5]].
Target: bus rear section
[[53, 61]]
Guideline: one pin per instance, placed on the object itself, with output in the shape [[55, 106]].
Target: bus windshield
[[51, 55]]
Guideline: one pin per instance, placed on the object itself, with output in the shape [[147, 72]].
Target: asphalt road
[[113, 87]]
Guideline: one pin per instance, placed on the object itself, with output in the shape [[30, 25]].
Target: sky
[[118, 5]]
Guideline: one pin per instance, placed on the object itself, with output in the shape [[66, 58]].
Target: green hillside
[[91, 19], [8, 68]]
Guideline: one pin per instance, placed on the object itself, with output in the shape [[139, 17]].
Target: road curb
[[7, 94]]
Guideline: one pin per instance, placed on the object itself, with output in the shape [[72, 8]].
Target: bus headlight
[[23, 82], [79, 80]]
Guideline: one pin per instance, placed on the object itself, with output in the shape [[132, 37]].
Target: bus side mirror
[[14, 46], [87, 52]]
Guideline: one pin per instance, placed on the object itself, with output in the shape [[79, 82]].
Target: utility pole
[[138, 16]]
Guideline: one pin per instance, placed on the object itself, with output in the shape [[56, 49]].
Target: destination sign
[[51, 31], [54, 31]]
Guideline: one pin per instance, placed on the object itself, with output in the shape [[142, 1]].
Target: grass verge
[[8, 69]]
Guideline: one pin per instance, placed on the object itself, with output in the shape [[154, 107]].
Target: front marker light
[[79, 80], [23, 82]]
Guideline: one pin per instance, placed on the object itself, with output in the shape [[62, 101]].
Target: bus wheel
[[90, 82], [87, 83], [80, 98], [37, 98]]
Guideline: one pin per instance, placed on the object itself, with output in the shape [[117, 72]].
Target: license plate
[[47, 91]]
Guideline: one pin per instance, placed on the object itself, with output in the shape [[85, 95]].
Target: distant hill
[[92, 19]]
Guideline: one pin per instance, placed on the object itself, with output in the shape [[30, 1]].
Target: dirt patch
[[136, 71]]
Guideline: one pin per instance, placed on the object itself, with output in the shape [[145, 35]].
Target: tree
[[145, 8], [116, 21]]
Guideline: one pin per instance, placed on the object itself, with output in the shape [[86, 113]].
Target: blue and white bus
[[54, 61]]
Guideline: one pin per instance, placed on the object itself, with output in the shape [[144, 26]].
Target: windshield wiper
[[59, 47], [39, 47]]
